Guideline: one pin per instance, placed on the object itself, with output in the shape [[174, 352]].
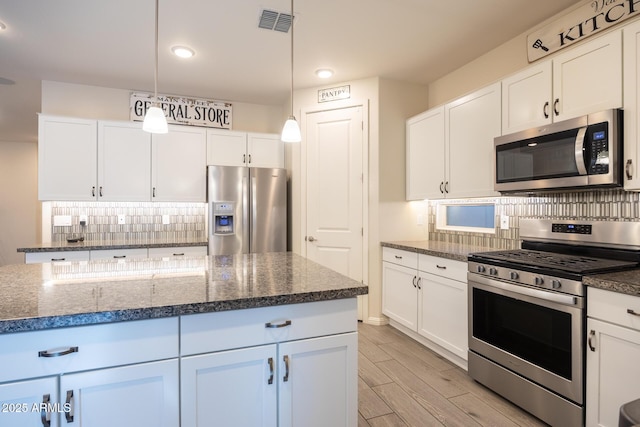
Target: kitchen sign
[[583, 22], [336, 93], [184, 111]]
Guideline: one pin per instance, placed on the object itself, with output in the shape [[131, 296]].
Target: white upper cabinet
[[231, 148], [425, 154], [67, 152], [124, 162], [579, 81], [631, 106], [471, 124], [179, 165]]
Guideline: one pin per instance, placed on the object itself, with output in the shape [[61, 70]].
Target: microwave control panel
[[597, 149]]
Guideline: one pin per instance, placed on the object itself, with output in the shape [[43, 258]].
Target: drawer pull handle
[[277, 325], [270, 361], [45, 416], [57, 259], [441, 267], [632, 312], [68, 414], [180, 254], [592, 335], [47, 353], [286, 372], [119, 256], [398, 257]]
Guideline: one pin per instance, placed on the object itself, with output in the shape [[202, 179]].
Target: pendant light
[[155, 120], [291, 129]]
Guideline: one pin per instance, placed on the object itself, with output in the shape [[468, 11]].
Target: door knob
[[311, 239]]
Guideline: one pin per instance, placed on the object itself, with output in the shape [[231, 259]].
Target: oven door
[[535, 333]]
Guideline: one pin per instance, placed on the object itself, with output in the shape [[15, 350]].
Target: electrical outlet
[[83, 220], [166, 219], [504, 222], [122, 219]]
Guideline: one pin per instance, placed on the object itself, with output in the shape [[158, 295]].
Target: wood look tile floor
[[402, 383]]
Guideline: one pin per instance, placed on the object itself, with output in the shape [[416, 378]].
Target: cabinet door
[[425, 155], [142, 395], [613, 371], [30, 403], [318, 382], [226, 148], [124, 162], [67, 158], [472, 122], [526, 98], [631, 106], [179, 172], [265, 150], [234, 388], [588, 78], [400, 294], [443, 313]]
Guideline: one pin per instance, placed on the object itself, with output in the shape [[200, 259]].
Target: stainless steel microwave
[[576, 153]]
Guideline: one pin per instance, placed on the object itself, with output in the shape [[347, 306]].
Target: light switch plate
[[122, 219], [61, 220], [504, 222], [166, 219]]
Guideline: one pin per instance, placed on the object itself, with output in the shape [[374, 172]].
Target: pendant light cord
[[292, 58], [155, 75]]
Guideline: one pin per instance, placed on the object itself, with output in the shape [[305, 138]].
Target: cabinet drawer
[[177, 251], [98, 346], [208, 332], [58, 256], [612, 307], [139, 253], [456, 270], [400, 257]]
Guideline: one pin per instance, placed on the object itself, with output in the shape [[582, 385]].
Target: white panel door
[[124, 162], [588, 78], [30, 403], [67, 158], [335, 190], [179, 167], [526, 98], [230, 388], [318, 382], [425, 155], [613, 371], [143, 395]]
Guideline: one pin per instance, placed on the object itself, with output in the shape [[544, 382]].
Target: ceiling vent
[[272, 20]]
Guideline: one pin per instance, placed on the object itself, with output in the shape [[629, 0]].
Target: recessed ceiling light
[[324, 73], [183, 51], [3, 26]]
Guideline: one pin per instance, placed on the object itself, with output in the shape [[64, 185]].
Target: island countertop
[[54, 295]]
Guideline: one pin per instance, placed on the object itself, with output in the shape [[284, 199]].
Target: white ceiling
[[110, 43]]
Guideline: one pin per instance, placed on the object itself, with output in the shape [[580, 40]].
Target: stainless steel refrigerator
[[247, 209]]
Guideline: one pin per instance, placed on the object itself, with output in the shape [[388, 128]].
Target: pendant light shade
[[155, 120], [291, 129]]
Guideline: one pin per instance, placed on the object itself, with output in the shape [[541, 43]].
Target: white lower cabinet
[[30, 403], [300, 371], [613, 352], [141, 395], [426, 297]]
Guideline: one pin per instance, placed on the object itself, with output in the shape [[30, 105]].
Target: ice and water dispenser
[[223, 221]]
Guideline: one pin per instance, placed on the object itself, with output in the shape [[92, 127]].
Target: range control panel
[[571, 228]]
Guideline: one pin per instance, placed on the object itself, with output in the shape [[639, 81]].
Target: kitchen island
[[166, 342]]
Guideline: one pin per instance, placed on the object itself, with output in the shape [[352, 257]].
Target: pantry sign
[[182, 110], [592, 17]]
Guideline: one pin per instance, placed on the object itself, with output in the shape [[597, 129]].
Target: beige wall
[[19, 206]]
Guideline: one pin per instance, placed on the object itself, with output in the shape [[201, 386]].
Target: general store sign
[[185, 111], [583, 22]]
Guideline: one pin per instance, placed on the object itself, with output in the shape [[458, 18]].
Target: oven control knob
[[493, 271], [539, 281], [514, 275], [481, 269], [555, 284]]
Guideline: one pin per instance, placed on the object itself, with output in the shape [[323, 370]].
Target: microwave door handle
[[579, 151]]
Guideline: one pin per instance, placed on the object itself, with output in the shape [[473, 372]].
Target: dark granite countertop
[[101, 245], [454, 251], [53, 295], [625, 282]]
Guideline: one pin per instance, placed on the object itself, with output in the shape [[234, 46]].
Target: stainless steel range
[[527, 312]]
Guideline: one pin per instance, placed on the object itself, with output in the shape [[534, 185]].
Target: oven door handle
[[579, 151], [526, 291]]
